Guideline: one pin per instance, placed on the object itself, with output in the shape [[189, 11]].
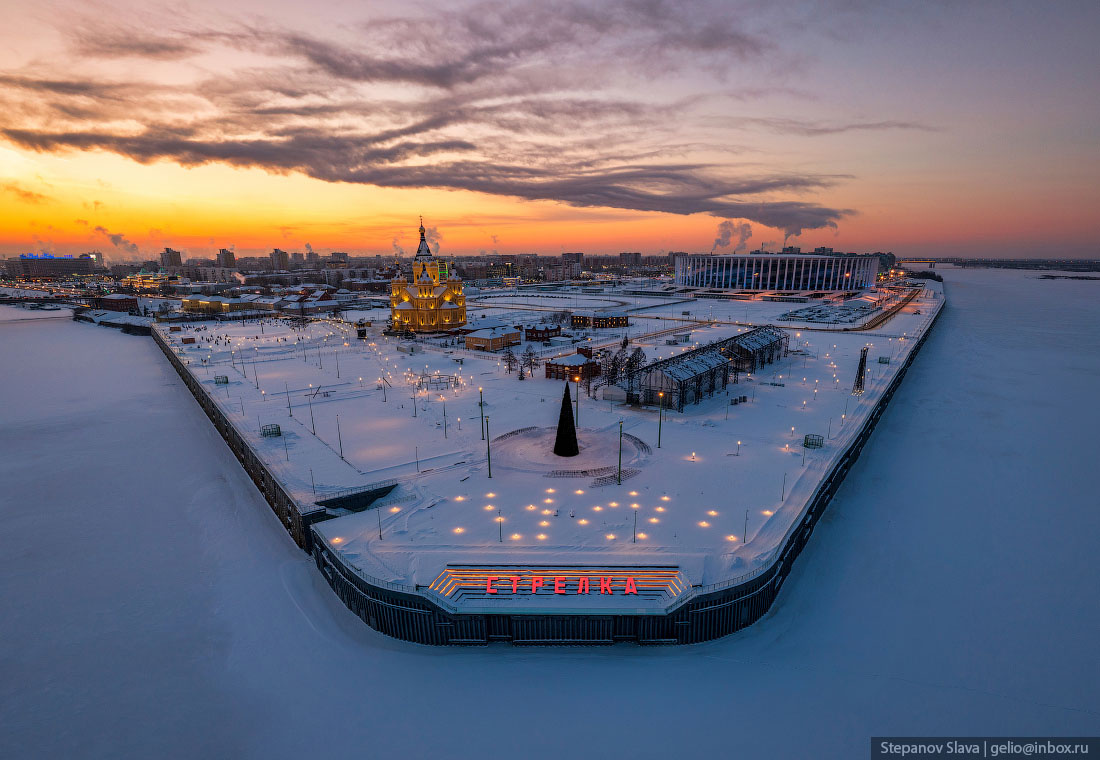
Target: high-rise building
[[280, 260], [171, 258], [573, 257], [630, 259], [226, 258], [45, 266]]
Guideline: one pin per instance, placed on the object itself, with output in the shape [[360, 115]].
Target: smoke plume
[[433, 236], [726, 230], [118, 240]]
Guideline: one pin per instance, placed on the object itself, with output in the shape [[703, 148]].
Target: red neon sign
[[559, 583]]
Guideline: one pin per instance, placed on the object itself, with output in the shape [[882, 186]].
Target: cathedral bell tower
[[433, 301]]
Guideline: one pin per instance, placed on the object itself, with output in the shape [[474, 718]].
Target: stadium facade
[[765, 272]]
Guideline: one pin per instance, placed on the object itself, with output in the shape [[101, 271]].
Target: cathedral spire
[[423, 251]]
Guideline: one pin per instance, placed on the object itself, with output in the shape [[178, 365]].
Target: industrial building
[[689, 377]]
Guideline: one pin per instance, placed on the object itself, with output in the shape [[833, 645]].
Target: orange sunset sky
[[535, 127]]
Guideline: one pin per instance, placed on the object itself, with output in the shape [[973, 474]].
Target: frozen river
[[154, 607]]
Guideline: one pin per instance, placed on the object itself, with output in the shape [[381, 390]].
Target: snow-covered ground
[[714, 494], [154, 606]]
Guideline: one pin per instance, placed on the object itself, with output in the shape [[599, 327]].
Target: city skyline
[[536, 129]]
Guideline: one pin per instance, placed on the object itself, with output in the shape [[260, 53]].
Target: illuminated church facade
[[433, 301]]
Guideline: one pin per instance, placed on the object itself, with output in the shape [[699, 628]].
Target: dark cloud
[[132, 42], [23, 194], [669, 188], [452, 47], [512, 99], [72, 87], [815, 128]]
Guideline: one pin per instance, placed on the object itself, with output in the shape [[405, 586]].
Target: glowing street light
[[660, 416]]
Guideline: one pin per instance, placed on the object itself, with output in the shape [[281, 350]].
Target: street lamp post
[[481, 406], [488, 452], [444, 400], [289, 408], [620, 476], [577, 380], [660, 416]]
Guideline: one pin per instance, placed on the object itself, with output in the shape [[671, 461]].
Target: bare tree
[[614, 366], [530, 360], [510, 360]]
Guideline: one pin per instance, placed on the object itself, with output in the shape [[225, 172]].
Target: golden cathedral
[[433, 301]]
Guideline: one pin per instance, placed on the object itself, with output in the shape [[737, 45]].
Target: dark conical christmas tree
[[565, 445]]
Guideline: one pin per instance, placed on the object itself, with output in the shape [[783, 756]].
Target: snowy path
[[154, 607]]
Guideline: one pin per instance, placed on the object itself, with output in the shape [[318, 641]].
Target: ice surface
[[154, 606]]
